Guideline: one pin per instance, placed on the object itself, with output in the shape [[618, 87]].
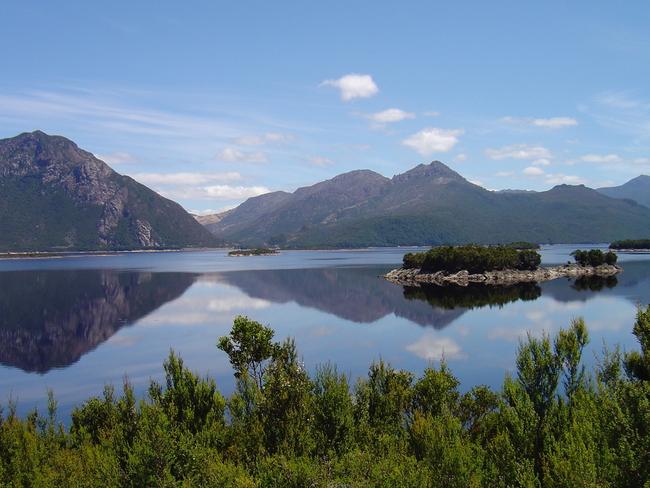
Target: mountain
[[269, 217], [637, 189], [427, 205], [55, 196]]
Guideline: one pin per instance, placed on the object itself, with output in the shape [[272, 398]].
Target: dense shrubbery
[[631, 244], [474, 259], [523, 245], [594, 257], [552, 424]]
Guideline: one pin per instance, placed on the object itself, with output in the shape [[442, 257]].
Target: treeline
[[473, 258], [594, 257], [631, 244], [552, 424]]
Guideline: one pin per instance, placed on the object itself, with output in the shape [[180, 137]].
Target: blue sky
[[212, 102]]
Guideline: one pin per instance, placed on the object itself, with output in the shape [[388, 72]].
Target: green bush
[[594, 257], [631, 244], [474, 259], [553, 423]]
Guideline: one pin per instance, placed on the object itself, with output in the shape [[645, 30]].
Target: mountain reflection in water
[[355, 294], [49, 319]]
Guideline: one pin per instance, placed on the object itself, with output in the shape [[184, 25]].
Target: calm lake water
[[75, 324]]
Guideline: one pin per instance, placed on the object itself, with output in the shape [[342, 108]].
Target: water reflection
[[472, 296], [49, 319], [355, 294]]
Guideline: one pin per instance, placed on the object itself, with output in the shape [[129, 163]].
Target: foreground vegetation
[[552, 424], [473, 258], [631, 244]]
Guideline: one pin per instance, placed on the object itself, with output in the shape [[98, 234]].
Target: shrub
[[474, 259], [631, 244], [594, 257]]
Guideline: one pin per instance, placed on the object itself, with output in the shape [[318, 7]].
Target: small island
[[262, 251], [631, 245], [495, 265]]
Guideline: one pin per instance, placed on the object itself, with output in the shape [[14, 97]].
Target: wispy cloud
[[389, 116], [117, 158], [214, 192], [545, 123], [234, 155], [518, 151], [320, 161], [184, 178], [259, 140]]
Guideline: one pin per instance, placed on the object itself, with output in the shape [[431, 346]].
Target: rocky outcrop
[[415, 277]]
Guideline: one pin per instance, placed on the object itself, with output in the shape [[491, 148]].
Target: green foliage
[[553, 425], [594, 257], [521, 245], [631, 244], [474, 259], [249, 346]]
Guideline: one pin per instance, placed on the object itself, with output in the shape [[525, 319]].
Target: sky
[[212, 102]]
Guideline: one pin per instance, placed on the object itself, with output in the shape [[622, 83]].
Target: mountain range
[[56, 196], [428, 205]]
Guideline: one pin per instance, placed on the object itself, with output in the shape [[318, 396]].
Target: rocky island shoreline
[[415, 276]]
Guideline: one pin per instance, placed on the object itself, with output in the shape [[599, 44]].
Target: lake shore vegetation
[[553, 423]]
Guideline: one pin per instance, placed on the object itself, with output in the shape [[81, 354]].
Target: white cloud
[[476, 182], [432, 140], [434, 348], [117, 158], [184, 178], [533, 171], [259, 140], [320, 161], [354, 86], [518, 151], [390, 115], [562, 179], [601, 158], [546, 123], [215, 192], [233, 155]]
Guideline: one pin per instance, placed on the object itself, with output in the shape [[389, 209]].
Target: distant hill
[[55, 196], [427, 205], [637, 189]]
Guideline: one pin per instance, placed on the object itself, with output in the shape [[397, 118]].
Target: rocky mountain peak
[[435, 171]]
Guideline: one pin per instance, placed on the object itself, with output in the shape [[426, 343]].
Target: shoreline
[[414, 277]]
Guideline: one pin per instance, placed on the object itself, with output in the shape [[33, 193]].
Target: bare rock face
[[415, 277]]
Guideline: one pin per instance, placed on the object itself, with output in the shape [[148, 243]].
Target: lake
[[75, 324]]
